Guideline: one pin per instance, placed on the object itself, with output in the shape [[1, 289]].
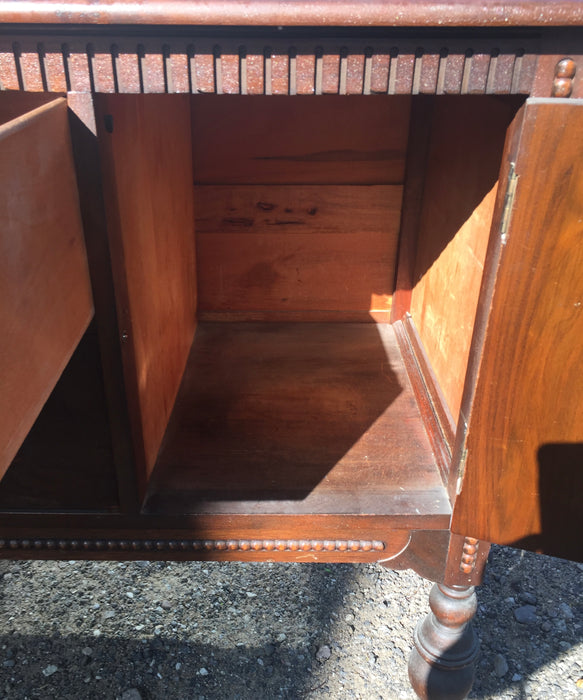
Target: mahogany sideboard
[[291, 281]]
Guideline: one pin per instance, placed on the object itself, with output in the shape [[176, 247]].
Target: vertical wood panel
[[45, 296], [147, 172], [453, 234]]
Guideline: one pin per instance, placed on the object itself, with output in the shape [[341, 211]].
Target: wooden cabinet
[[319, 300]]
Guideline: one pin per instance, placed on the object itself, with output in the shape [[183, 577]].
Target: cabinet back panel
[[14, 104], [298, 203], [300, 249], [45, 295], [147, 174], [299, 140], [467, 138]]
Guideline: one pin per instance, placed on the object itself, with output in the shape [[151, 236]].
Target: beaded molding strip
[[132, 545], [469, 555]]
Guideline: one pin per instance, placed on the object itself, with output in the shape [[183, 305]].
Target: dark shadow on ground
[[269, 651]]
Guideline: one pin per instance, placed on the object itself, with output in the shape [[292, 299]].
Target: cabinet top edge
[[298, 13]]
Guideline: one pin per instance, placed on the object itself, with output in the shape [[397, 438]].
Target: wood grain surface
[[147, 176], [296, 418], [15, 104], [296, 249], [458, 201], [45, 295], [342, 140], [524, 463]]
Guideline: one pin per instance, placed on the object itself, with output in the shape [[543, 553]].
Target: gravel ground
[[197, 631]]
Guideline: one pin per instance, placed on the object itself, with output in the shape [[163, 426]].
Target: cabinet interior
[[259, 248]]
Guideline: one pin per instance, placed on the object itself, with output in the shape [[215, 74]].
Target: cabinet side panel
[[147, 172], [45, 296], [460, 190], [524, 466]]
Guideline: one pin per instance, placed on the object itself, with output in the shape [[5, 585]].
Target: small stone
[[528, 598], [9, 663], [516, 678], [546, 626], [500, 665], [202, 672], [526, 615], [323, 653], [131, 694], [565, 611], [49, 670], [97, 633], [251, 595], [108, 614], [87, 651], [281, 637], [166, 605], [561, 626], [178, 666], [349, 618], [564, 646]]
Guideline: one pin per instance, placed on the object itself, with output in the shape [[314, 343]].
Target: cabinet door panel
[[523, 446], [45, 295]]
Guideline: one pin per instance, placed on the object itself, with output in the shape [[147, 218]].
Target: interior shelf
[[296, 418]]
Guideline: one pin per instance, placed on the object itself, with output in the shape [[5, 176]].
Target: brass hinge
[[508, 203], [461, 471]]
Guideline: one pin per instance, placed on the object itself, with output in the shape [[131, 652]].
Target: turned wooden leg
[[441, 665]]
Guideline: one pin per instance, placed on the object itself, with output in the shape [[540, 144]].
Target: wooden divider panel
[[45, 296], [147, 174]]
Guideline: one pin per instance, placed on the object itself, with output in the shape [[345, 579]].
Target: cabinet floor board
[[296, 418]]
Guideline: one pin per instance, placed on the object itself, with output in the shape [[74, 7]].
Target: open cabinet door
[[45, 294], [521, 455]]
